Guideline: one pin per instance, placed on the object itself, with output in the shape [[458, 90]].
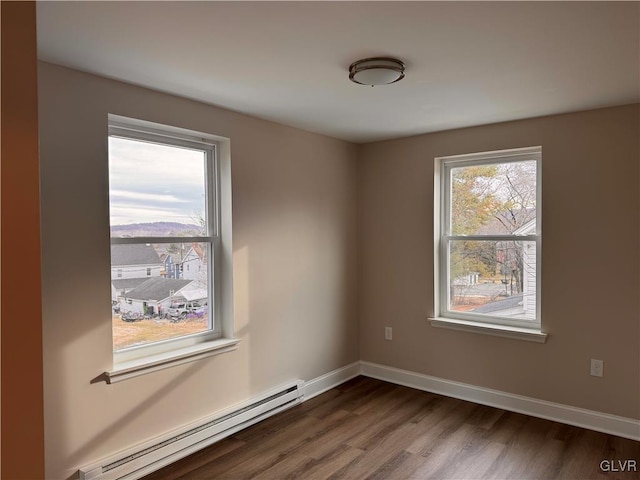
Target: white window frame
[[481, 323], [218, 338]]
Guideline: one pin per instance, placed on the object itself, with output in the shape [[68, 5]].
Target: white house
[[194, 264], [529, 258], [135, 261], [155, 295]]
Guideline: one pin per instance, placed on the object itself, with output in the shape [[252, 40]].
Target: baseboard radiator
[[150, 456]]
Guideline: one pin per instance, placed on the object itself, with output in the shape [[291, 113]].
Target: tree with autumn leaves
[[490, 200]]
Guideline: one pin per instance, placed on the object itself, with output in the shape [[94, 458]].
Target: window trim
[[518, 333], [140, 359], [170, 358], [443, 317]]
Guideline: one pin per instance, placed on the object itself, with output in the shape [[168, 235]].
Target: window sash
[[212, 237], [212, 169], [490, 158], [445, 165], [444, 290], [495, 238]]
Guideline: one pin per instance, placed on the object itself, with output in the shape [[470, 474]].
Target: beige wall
[[294, 234], [590, 278], [305, 248]]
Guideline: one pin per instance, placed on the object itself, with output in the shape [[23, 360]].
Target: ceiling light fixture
[[376, 71]]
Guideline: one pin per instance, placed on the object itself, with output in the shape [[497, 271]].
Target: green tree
[[473, 204], [473, 200]]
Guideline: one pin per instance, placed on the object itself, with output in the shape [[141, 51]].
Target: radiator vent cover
[[150, 456]]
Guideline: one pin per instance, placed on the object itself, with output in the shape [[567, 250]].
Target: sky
[[155, 183]]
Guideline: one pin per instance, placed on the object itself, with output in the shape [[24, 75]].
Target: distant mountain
[[155, 229]]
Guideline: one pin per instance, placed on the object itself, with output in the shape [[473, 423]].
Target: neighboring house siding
[[529, 258], [170, 268], [194, 265], [529, 282], [138, 306], [136, 271], [135, 261]]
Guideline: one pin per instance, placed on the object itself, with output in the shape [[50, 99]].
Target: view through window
[[163, 236], [490, 236]]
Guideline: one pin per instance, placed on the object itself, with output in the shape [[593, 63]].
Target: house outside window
[[164, 198], [489, 238]]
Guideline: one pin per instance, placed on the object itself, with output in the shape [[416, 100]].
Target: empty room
[[308, 240]]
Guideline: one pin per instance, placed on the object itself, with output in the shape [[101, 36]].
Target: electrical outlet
[[597, 368], [388, 333]]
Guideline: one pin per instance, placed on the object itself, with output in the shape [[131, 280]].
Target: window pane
[[155, 296], [494, 199], [493, 278], [156, 190]]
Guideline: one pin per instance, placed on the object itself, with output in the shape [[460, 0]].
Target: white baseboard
[[143, 458], [579, 417], [330, 380]]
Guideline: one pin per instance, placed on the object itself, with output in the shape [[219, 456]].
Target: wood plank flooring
[[369, 429]]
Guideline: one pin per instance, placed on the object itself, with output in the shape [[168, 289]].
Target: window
[[488, 252], [164, 200]]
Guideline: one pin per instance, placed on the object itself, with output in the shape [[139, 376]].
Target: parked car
[[182, 309], [201, 310]]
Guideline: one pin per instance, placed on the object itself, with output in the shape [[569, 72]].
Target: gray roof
[[157, 288], [134, 254], [509, 302], [127, 283]]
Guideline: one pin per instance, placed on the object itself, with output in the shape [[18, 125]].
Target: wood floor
[[369, 429]]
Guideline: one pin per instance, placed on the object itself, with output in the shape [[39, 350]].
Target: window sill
[[153, 363], [529, 335]]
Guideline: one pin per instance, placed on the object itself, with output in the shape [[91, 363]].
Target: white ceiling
[[468, 63]]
